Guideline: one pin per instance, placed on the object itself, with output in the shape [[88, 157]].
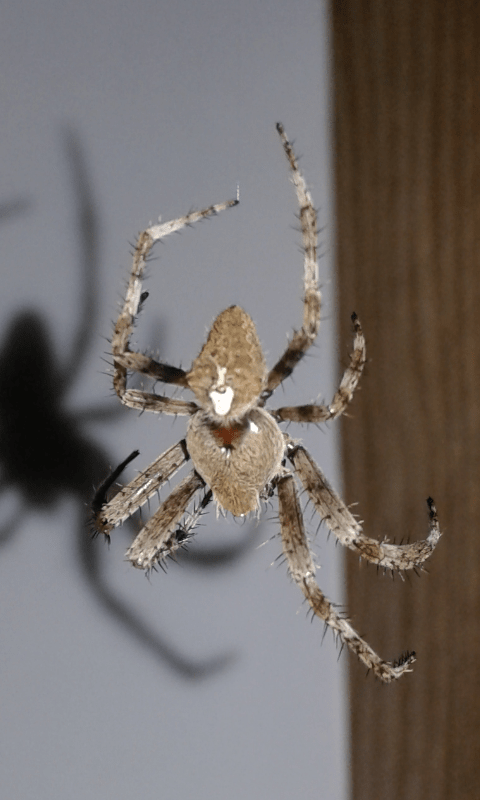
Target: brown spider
[[236, 446]]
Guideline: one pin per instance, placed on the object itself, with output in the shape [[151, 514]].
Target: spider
[[238, 451]]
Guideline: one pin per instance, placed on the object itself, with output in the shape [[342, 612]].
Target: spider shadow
[[46, 452]]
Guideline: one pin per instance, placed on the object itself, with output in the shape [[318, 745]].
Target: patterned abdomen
[[239, 461]]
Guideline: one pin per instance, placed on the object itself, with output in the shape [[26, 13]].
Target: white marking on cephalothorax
[[253, 427], [221, 376], [222, 401]]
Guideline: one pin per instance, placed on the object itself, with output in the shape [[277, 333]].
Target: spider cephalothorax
[[238, 451]]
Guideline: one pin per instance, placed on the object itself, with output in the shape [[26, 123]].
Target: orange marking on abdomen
[[227, 435]]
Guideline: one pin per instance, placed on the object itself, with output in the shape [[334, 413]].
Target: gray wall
[[140, 109]]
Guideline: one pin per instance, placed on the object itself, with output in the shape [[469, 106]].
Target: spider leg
[[302, 570], [148, 401], [343, 395], [305, 337], [348, 531], [100, 497], [107, 515], [159, 537], [123, 358], [185, 530]]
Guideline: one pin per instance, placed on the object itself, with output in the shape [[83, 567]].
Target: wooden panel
[[407, 138]]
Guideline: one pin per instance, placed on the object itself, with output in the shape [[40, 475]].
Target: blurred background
[[203, 682], [407, 124]]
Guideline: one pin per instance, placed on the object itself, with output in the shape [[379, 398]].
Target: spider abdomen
[[238, 461]]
